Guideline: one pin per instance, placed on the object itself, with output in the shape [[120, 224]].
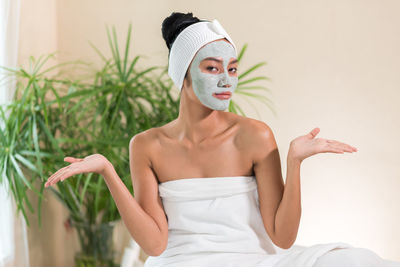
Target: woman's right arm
[[143, 214]]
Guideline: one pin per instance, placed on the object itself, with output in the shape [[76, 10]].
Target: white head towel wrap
[[188, 42]]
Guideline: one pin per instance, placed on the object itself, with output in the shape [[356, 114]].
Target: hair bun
[[175, 24]]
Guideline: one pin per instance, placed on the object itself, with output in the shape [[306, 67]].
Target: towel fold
[[190, 189], [216, 221]]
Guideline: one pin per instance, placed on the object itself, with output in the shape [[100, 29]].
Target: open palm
[[93, 163], [307, 145]]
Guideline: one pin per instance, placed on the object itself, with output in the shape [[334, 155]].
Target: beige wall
[[333, 64]]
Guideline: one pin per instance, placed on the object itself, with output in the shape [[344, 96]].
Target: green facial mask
[[206, 84]]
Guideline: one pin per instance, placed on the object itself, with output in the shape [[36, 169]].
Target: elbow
[[158, 250], [155, 252], [285, 244]]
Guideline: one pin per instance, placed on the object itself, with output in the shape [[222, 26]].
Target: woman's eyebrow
[[219, 61]]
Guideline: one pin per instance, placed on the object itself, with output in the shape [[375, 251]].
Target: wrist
[[292, 155], [292, 159], [107, 168]]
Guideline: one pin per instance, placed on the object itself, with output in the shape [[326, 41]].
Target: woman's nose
[[223, 83], [224, 80]]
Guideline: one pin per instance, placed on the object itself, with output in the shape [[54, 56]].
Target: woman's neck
[[197, 123]]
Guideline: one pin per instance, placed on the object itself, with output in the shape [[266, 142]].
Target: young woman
[[208, 185]]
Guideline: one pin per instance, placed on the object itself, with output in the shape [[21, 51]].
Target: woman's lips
[[223, 95]]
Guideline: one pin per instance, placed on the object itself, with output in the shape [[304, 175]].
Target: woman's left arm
[[280, 206]]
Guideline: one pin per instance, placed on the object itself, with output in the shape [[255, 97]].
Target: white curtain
[[13, 235]]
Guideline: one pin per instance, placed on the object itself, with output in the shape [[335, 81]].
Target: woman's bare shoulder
[[248, 126], [144, 138], [251, 134], [149, 140]]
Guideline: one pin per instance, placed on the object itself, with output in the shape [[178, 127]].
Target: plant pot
[[96, 242]]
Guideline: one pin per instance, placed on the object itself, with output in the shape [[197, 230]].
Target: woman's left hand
[[307, 145]]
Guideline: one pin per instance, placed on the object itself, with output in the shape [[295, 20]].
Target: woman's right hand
[[94, 163]]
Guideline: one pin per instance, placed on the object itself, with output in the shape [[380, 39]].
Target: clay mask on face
[[206, 84]]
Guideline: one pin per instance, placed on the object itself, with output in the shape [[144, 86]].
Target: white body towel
[[217, 222]]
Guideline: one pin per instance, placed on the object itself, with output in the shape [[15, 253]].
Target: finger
[[72, 159], [343, 149], [334, 149], [340, 145], [352, 148], [70, 171], [314, 132], [331, 149], [54, 181], [56, 175], [62, 177], [349, 147]]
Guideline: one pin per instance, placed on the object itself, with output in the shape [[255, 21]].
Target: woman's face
[[214, 71]]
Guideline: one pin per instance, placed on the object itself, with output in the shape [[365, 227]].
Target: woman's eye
[[211, 68], [233, 69]]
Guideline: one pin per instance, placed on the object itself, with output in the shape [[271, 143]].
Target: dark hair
[[174, 24]]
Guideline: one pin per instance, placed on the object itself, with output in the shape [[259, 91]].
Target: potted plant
[[53, 116]]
